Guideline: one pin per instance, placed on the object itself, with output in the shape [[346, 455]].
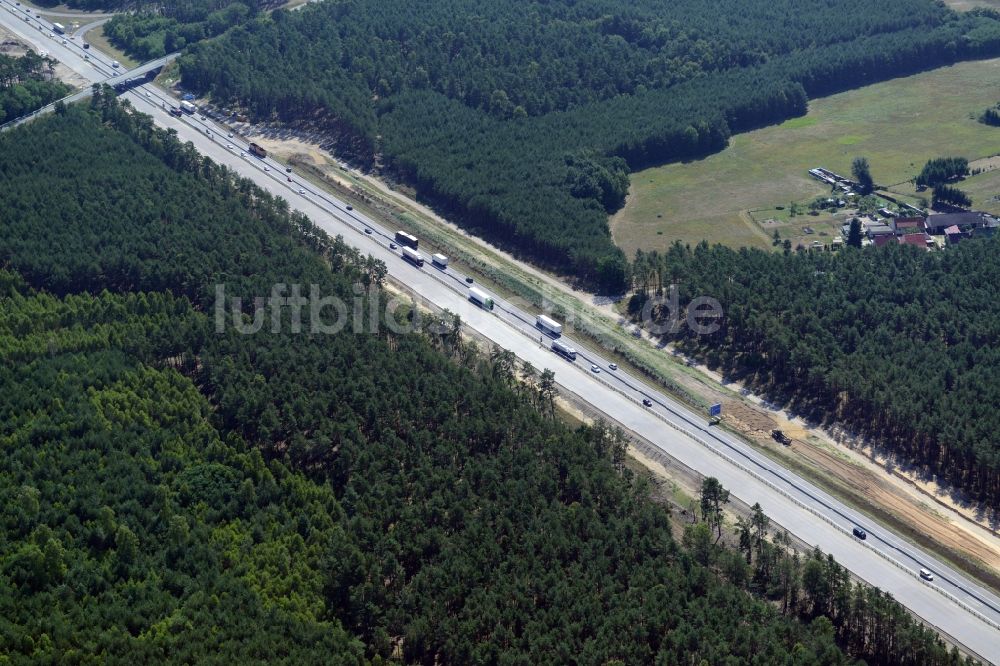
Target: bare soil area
[[884, 495]]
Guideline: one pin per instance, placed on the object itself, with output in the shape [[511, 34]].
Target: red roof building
[[916, 240]]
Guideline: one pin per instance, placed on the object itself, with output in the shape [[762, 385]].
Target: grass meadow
[[731, 197]]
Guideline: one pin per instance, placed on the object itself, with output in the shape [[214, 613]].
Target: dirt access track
[[921, 516]]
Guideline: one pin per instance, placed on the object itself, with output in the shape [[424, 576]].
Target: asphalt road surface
[[952, 603]]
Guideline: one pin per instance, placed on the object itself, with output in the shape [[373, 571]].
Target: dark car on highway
[[860, 533]]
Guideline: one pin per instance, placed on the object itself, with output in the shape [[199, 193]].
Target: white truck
[[59, 28], [413, 256], [563, 349], [439, 260], [188, 107], [550, 326], [479, 297]]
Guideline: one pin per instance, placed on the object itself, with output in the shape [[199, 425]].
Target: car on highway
[[229, 146], [301, 191], [114, 63], [51, 35], [779, 436], [647, 402], [470, 280], [86, 45], [147, 93], [242, 154], [860, 533], [230, 135], [64, 41], [926, 574], [368, 231], [288, 169], [612, 366], [393, 246], [350, 208], [594, 369]]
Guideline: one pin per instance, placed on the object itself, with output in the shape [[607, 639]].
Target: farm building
[[936, 224], [878, 229]]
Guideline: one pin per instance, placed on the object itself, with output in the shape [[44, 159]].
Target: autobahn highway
[[952, 603]]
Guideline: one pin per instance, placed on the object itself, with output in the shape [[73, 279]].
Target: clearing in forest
[[898, 125], [966, 5]]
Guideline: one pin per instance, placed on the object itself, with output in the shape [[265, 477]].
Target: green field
[[984, 190], [898, 125]]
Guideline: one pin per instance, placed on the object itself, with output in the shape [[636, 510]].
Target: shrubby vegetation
[[173, 494], [895, 343], [24, 87], [489, 107]]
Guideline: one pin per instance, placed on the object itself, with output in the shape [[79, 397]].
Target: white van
[[926, 574]]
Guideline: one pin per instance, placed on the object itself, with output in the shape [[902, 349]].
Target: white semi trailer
[[550, 326], [413, 256], [479, 297]]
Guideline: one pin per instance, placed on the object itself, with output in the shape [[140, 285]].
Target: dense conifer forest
[[895, 342], [171, 493], [522, 119]]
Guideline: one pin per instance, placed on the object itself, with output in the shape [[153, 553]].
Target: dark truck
[[257, 151], [779, 436]]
